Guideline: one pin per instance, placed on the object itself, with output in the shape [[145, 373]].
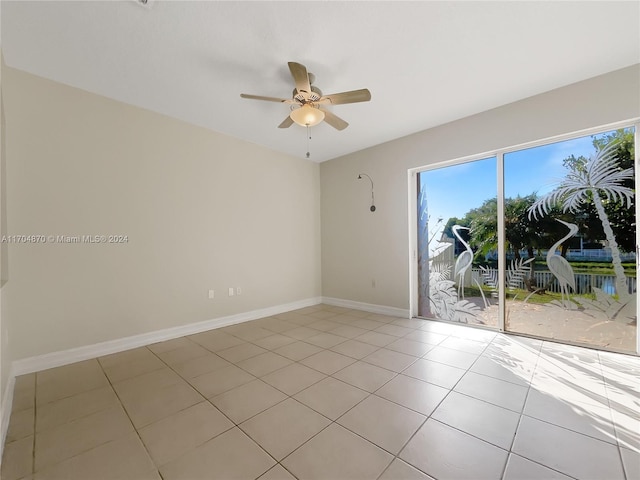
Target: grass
[[594, 268], [519, 294]]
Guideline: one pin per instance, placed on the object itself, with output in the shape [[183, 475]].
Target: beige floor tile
[[21, 424], [323, 314], [297, 350], [337, 453], [631, 462], [264, 363], [324, 325], [278, 472], [365, 376], [348, 331], [571, 453], [399, 470], [168, 345], [412, 393], [182, 354], [230, 456], [412, 323], [349, 318], [464, 345], [449, 356], [297, 318], [444, 452], [425, 336], [67, 440], [484, 420], [394, 361], [367, 323], [501, 393], [71, 408], [142, 384], [200, 365], [274, 341], [325, 340], [355, 349], [331, 397], [409, 347], [69, 380], [395, 330], [173, 436], [153, 405], [481, 334], [382, 422], [505, 369], [276, 325], [293, 378], [221, 380], [129, 364], [216, 340], [434, 372], [284, 427], [247, 400], [121, 459], [519, 468], [588, 419], [248, 332], [376, 338], [24, 392], [241, 352], [301, 333], [327, 362], [627, 424], [17, 459]]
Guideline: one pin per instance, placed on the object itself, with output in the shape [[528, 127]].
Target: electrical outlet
[[231, 293], [238, 291], [212, 294]]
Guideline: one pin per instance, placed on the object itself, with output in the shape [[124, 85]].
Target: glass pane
[[570, 238], [457, 241]]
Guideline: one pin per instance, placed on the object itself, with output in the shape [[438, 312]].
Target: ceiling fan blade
[[300, 76], [333, 120], [268, 99], [286, 123], [354, 96]]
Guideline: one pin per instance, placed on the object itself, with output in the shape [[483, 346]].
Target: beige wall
[[358, 246], [201, 210]]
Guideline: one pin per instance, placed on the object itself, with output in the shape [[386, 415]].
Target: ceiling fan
[[307, 101]]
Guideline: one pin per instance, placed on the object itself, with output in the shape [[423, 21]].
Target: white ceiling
[[426, 63]]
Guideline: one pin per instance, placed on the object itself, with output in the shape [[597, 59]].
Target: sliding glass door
[[574, 250], [551, 253], [457, 243]]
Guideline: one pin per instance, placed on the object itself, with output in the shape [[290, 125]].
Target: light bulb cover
[[307, 116]]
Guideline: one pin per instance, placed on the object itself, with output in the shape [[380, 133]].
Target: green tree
[[600, 180], [620, 217]]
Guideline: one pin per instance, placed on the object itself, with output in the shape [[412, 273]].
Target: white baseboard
[[65, 357], [367, 307]]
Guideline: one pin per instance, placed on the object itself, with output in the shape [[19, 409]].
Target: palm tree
[[599, 178]]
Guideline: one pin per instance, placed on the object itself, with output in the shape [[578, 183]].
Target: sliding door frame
[[412, 178]]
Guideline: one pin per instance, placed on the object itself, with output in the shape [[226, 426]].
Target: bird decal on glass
[[464, 260], [559, 266]]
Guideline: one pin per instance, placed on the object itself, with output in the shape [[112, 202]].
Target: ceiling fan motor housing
[[306, 97]]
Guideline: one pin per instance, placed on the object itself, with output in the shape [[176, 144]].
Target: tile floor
[[331, 393]]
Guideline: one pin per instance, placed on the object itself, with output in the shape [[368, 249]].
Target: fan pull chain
[[308, 138]]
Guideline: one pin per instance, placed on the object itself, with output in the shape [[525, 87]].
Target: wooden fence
[[584, 281]]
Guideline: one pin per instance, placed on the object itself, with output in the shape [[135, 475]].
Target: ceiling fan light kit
[[307, 115]]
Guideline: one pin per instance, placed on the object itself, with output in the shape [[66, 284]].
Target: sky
[[453, 191]]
